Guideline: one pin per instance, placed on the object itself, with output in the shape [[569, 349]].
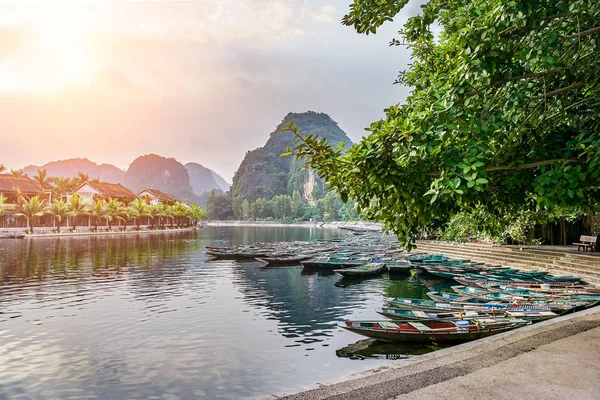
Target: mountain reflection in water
[[148, 316]]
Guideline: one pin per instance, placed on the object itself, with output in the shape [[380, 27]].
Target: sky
[[201, 81]]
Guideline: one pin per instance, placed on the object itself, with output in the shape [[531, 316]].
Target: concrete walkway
[[556, 359]]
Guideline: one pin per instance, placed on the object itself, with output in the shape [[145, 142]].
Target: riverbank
[[556, 359], [103, 233]]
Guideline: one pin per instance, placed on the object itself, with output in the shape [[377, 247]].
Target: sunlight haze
[[199, 81]]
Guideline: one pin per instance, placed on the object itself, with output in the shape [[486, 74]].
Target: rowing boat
[[415, 314], [452, 331], [363, 270]]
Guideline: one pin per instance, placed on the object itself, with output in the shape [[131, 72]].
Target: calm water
[[148, 317]]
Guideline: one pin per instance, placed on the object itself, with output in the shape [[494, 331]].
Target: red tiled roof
[[9, 183], [114, 190], [161, 196]]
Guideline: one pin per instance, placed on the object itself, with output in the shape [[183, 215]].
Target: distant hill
[[69, 169], [166, 174], [263, 173], [187, 183], [204, 180]]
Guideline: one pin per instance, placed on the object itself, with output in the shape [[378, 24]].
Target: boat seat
[[421, 314], [421, 327], [388, 325]]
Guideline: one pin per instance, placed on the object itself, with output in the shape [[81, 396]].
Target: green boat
[[363, 270]]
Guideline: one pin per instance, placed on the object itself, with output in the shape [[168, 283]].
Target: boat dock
[[555, 359]]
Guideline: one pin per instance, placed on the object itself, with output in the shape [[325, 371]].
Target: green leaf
[[481, 181]]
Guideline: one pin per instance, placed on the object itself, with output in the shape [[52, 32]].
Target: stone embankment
[[559, 260]]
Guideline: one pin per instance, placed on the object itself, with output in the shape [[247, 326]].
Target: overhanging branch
[[522, 166]]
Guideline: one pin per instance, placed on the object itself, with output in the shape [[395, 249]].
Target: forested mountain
[[71, 167], [264, 173], [204, 180], [166, 174]]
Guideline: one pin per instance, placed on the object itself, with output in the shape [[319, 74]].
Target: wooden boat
[[283, 260], [363, 270], [453, 297], [481, 282], [435, 306], [328, 263], [451, 331], [413, 314], [400, 266]]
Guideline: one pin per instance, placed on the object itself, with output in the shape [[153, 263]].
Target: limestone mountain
[[204, 180], [264, 173], [166, 174], [71, 167]]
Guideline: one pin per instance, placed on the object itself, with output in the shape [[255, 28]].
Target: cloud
[[324, 14]]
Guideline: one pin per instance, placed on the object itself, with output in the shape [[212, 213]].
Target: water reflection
[[148, 317], [371, 348]]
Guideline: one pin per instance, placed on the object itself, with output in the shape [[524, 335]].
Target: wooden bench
[[586, 242]]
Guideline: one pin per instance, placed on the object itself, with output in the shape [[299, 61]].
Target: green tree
[[114, 211], [503, 115], [76, 207], [98, 211], [298, 205], [246, 215], [31, 209], [282, 206], [219, 206], [62, 186], [42, 179], [195, 214], [59, 210], [237, 207], [138, 209], [332, 204], [258, 208], [2, 200]]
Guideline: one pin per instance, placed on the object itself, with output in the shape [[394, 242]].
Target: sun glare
[[72, 67], [64, 43]]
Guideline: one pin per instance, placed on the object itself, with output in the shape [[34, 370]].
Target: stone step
[[584, 267], [581, 258]]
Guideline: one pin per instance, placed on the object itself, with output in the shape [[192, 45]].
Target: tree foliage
[[502, 117]]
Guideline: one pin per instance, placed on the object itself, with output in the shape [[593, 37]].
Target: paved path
[[557, 359]]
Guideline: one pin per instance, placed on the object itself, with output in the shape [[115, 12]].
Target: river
[[149, 317]]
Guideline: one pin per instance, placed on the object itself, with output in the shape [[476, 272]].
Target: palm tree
[[59, 209], [179, 210], [2, 200], [16, 172], [114, 209], [127, 215], [169, 213], [42, 179], [31, 209], [81, 177], [195, 213], [2, 168], [155, 211], [62, 186], [76, 206], [98, 211], [138, 209]]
